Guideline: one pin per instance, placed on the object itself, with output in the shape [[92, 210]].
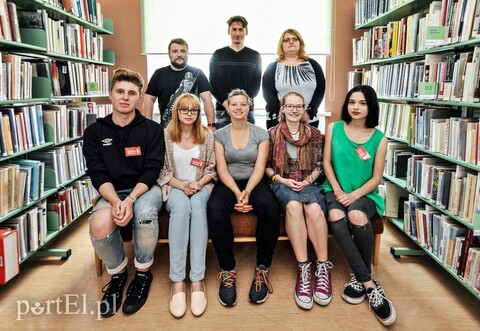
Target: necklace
[[294, 133], [187, 138]]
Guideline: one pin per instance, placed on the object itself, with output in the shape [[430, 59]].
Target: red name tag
[[197, 163], [362, 153], [133, 151]]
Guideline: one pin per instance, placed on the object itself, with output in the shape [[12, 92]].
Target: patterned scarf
[[306, 148]]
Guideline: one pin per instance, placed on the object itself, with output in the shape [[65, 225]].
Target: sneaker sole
[[225, 304], [322, 302], [303, 305], [259, 301], [354, 301]]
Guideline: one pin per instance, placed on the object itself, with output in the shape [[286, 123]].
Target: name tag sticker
[[197, 163], [362, 153], [133, 151]]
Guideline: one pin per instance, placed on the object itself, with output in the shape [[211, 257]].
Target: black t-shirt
[[166, 82]]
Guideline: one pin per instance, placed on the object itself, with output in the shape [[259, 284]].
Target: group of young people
[[201, 178]]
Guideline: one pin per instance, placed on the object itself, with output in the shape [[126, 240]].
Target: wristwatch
[[212, 124], [134, 198]]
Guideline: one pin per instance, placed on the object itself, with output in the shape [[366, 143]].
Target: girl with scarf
[[294, 165]]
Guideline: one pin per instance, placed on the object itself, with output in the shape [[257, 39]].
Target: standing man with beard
[[235, 67], [169, 82]]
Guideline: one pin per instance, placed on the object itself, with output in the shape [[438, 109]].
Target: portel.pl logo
[[66, 304]]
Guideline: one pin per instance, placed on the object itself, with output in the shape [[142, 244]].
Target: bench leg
[[98, 265], [376, 247]]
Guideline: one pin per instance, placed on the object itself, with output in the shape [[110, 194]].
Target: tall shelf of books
[[53, 68], [423, 59]]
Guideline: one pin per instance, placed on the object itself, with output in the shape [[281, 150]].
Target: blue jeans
[[145, 232], [222, 118], [188, 220], [355, 241]]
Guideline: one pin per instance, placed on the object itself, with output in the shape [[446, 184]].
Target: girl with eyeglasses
[[294, 165], [295, 71], [186, 181]]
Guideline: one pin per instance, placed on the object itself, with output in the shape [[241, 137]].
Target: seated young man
[[124, 153]]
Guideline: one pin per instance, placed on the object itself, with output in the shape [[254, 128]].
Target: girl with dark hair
[[353, 160]]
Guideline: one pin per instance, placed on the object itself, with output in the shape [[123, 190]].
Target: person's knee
[[147, 217], [294, 207], [101, 224], [335, 215], [357, 217]]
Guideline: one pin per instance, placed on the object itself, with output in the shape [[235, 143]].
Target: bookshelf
[[429, 93], [43, 187]]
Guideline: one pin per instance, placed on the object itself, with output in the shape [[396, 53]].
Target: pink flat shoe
[[178, 302], [198, 302]]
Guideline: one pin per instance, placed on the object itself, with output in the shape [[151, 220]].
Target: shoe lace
[[322, 273], [113, 286], [262, 276], [376, 298], [355, 284], [227, 277], [137, 287], [305, 277]]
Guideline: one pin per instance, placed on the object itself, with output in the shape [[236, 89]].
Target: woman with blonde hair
[[294, 166], [186, 181], [295, 71]]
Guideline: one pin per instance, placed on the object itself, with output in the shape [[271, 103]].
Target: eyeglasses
[[291, 106], [288, 40], [191, 111]]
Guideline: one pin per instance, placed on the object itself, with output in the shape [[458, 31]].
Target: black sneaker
[[382, 307], [112, 297], [137, 292], [227, 294], [354, 292], [260, 286]]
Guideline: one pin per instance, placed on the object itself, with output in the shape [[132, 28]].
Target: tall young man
[[124, 153], [167, 83], [235, 66]]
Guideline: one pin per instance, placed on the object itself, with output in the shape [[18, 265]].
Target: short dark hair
[[179, 41], [237, 18], [372, 104], [125, 75]]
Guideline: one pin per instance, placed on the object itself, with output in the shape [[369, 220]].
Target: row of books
[[32, 228], [21, 128], [448, 186], [367, 10], [69, 203], [9, 29], [15, 78], [395, 119], [446, 76], [89, 10], [452, 243], [445, 22], [70, 78], [62, 163]]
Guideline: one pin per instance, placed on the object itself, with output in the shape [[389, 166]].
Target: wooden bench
[[244, 226]]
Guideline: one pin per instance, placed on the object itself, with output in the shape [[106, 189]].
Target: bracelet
[[212, 124], [275, 177], [134, 198]]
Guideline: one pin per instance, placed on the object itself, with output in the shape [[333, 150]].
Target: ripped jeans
[[145, 232]]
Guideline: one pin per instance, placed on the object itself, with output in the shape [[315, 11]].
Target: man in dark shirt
[[124, 153], [235, 66], [167, 83]]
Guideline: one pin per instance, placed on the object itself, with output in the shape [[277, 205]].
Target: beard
[[179, 66]]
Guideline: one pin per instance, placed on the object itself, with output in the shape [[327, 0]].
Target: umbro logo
[[107, 141]]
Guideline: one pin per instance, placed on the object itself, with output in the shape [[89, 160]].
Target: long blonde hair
[[174, 132]]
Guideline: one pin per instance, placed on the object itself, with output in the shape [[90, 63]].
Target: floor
[[62, 295]]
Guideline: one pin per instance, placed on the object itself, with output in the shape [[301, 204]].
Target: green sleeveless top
[[351, 171]]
